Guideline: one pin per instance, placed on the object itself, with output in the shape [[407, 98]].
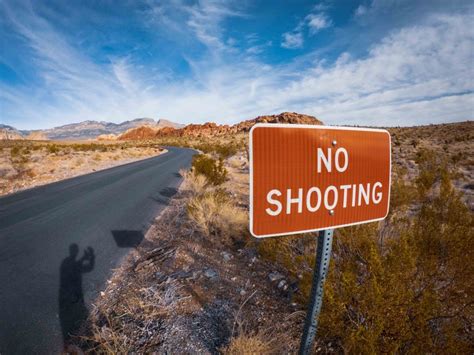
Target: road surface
[[59, 243]]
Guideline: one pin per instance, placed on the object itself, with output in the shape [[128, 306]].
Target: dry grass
[[193, 184], [215, 214], [136, 300], [212, 210], [250, 345], [237, 162]]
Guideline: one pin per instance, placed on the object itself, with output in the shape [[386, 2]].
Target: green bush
[[430, 165], [53, 148], [15, 150], [213, 170], [223, 150]]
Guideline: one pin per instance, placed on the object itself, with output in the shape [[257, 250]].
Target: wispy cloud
[[361, 10], [292, 40], [312, 23], [417, 74], [205, 19], [318, 22], [414, 74]]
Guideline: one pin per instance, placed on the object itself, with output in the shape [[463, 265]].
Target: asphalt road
[[59, 243]]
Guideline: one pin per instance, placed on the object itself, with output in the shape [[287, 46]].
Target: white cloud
[[259, 48], [321, 7], [404, 79], [202, 20], [318, 22], [314, 22], [361, 10], [418, 74], [292, 40]]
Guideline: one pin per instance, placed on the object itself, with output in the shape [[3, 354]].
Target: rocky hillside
[[9, 132], [84, 130], [284, 117], [211, 129], [146, 128], [142, 132]]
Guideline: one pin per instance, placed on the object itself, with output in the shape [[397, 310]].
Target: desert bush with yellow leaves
[[249, 345], [408, 290]]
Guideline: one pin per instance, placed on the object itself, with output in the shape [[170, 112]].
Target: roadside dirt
[[181, 291], [24, 165]]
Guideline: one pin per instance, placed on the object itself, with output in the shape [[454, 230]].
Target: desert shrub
[[97, 157], [401, 193], [215, 214], [249, 345], [91, 147], [223, 150], [53, 148], [15, 150], [295, 253], [30, 173], [410, 292], [213, 170], [457, 157], [429, 167], [413, 296], [19, 158]]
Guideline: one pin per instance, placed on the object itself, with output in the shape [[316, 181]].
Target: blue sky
[[372, 62]]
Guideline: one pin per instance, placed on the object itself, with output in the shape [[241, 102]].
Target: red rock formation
[[284, 117], [210, 129], [142, 132], [167, 132]]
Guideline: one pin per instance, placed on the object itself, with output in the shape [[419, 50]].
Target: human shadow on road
[[72, 309]]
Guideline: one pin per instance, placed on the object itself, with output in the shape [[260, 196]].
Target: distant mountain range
[[148, 128], [211, 129], [83, 130]]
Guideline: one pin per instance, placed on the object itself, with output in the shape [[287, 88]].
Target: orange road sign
[[307, 178]]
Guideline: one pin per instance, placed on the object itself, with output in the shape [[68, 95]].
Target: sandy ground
[[30, 166]]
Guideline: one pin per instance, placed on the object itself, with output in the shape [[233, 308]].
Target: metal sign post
[[323, 255]]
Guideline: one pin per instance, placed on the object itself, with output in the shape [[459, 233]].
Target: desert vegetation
[[398, 286], [403, 285], [26, 164]]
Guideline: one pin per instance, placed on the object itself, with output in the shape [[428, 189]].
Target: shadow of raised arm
[[88, 260]]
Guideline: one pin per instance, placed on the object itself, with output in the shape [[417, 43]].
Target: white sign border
[[283, 125]]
